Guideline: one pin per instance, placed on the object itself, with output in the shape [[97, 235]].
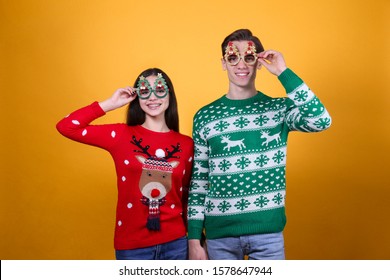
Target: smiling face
[[241, 74], [153, 106]]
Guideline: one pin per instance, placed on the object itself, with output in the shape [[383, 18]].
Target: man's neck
[[237, 93]]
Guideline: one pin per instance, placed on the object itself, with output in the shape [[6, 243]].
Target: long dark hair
[[136, 116], [242, 35]]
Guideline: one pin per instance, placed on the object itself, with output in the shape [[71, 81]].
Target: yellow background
[[58, 197]]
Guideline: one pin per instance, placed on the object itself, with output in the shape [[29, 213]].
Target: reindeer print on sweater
[[155, 181], [153, 171], [238, 186]]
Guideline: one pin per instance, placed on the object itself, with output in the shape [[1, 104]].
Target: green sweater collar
[[243, 102]]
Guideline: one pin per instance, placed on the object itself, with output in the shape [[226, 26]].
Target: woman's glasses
[[144, 90]]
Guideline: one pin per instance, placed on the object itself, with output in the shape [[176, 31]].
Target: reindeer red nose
[[155, 193]]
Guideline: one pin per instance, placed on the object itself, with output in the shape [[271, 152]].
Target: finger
[[269, 54], [127, 91], [264, 61], [133, 91], [267, 64]]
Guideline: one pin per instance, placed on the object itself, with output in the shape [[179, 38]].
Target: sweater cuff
[[195, 231], [97, 110], [289, 80]]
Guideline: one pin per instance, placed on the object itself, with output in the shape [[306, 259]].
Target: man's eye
[[250, 58], [232, 58]]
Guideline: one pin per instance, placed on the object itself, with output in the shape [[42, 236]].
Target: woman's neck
[[156, 125]]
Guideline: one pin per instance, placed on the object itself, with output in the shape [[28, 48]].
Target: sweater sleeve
[[305, 112], [199, 181], [76, 126], [187, 178]]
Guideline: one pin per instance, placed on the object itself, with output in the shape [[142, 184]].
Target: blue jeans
[[173, 250], [269, 246]]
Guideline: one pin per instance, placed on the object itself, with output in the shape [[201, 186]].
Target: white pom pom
[[160, 153]]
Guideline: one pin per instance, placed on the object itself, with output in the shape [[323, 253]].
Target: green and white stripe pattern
[[238, 177]]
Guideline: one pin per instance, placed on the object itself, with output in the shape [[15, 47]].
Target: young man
[[237, 194]]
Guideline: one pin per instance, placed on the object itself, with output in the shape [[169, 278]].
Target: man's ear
[[223, 64], [258, 65]]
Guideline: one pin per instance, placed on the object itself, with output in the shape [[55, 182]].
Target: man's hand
[[273, 61], [196, 251]]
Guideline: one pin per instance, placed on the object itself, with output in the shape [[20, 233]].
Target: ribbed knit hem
[[289, 80], [195, 229], [246, 224], [97, 110]]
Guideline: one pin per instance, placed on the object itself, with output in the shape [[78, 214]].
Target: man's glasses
[[144, 90], [234, 59], [232, 55]]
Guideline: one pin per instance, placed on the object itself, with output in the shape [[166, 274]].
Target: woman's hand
[[121, 97]]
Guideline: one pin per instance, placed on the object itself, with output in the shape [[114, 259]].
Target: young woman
[[153, 163]]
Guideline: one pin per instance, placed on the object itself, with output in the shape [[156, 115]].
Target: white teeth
[[154, 106], [242, 74]]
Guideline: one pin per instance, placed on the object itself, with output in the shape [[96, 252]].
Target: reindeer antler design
[[144, 150], [170, 154]]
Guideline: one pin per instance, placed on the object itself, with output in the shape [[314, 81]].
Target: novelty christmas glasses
[[232, 55], [144, 89]]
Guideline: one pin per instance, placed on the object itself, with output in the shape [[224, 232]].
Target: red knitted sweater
[[153, 173]]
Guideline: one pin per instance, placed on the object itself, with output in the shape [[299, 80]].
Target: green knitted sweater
[[238, 184]]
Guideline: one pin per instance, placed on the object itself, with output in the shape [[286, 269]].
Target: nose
[[152, 96], [241, 63], [155, 193]]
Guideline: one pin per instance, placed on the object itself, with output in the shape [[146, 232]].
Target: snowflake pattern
[[194, 186], [192, 212], [322, 123], [197, 151], [221, 126], [261, 201], [212, 166], [209, 206], [261, 120], [261, 160], [224, 206], [278, 157], [224, 165], [242, 162], [251, 179], [277, 117], [206, 132], [241, 122], [301, 96], [242, 204], [278, 199]]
